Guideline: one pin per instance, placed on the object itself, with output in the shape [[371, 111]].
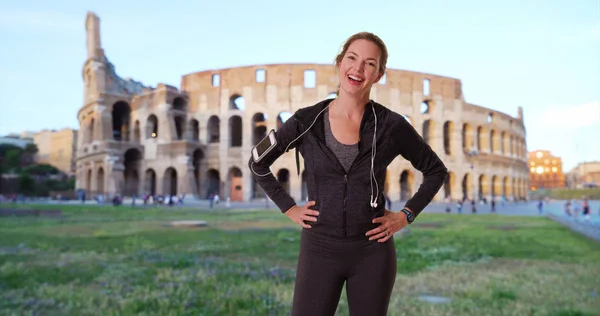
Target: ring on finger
[[387, 233]]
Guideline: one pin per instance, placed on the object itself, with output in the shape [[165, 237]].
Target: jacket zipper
[[344, 208], [344, 229]]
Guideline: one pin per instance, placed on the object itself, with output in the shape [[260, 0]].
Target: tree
[[26, 184], [31, 148]]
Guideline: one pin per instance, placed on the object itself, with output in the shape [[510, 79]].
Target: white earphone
[[373, 153], [373, 201]]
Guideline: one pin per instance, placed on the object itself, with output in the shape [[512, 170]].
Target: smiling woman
[[348, 232]]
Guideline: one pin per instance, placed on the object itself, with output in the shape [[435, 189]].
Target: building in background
[[19, 140], [57, 148], [585, 174], [545, 170], [138, 140]]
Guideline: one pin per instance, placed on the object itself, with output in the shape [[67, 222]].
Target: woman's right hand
[[299, 214]]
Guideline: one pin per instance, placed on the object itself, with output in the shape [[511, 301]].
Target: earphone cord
[[373, 154], [295, 139]]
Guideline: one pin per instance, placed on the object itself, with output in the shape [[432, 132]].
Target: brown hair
[[369, 37]]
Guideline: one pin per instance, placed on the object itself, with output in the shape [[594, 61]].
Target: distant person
[[568, 210], [493, 206], [473, 208], [586, 210], [347, 144], [540, 206]]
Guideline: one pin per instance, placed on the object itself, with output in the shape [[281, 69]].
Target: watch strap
[[409, 216]]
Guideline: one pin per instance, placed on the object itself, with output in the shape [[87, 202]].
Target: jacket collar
[[309, 115]]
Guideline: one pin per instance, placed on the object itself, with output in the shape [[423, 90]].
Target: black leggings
[[325, 263]]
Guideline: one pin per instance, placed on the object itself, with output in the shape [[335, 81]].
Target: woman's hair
[[369, 37]]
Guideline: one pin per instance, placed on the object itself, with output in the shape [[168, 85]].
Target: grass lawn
[[124, 261]]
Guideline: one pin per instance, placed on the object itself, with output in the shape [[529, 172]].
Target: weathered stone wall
[[206, 131]]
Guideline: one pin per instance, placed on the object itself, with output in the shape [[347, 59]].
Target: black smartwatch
[[409, 216]]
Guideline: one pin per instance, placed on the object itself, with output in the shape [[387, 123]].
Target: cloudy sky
[[542, 55]]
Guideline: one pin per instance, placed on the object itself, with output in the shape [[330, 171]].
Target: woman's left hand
[[391, 222]]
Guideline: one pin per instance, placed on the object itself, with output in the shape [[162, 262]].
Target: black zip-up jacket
[[343, 198]]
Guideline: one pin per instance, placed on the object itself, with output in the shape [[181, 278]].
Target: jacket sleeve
[[414, 148], [261, 171]]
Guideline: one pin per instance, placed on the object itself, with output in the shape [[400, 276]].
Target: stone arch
[[197, 157], [100, 179], [493, 143], [505, 186], [150, 182], [386, 184], [170, 182], [448, 128], [90, 131], [503, 141], [179, 121], [88, 185], [427, 107], [120, 121], [237, 102], [257, 191], [448, 185], [213, 182], [259, 127], [133, 163], [428, 130], [282, 118], [514, 188], [467, 185], [179, 104], [495, 186], [235, 131], [482, 140], [283, 177], [152, 126], [236, 189], [483, 187], [194, 130], [137, 134], [406, 184], [213, 127], [467, 138]]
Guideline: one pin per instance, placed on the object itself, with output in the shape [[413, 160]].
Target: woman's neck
[[348, 106]]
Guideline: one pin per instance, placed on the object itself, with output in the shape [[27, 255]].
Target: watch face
[[409, 215]]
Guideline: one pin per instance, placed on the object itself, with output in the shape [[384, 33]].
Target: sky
[[541, 55]]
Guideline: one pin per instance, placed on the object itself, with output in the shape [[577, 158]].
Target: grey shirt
[[345, 153]]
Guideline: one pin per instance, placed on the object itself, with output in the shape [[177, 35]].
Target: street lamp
[[472, 154]]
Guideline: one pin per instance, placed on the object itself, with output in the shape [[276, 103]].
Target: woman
[[347, 144]]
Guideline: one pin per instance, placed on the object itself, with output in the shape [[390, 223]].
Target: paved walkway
[[588, 229]]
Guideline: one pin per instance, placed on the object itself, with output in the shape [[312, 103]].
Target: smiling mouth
[[355, 79]]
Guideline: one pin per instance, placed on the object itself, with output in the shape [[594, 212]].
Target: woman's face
[[359, 68]]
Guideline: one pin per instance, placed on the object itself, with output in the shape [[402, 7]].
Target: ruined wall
[[136, 139]]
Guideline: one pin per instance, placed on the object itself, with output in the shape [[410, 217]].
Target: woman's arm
[[414, 149], [261, 171]]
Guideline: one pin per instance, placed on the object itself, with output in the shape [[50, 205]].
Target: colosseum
[[137, 140]]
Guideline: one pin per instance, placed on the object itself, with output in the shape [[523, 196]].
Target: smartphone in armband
[[260, 150]]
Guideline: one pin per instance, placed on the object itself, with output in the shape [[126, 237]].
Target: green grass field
[[124, 261]]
